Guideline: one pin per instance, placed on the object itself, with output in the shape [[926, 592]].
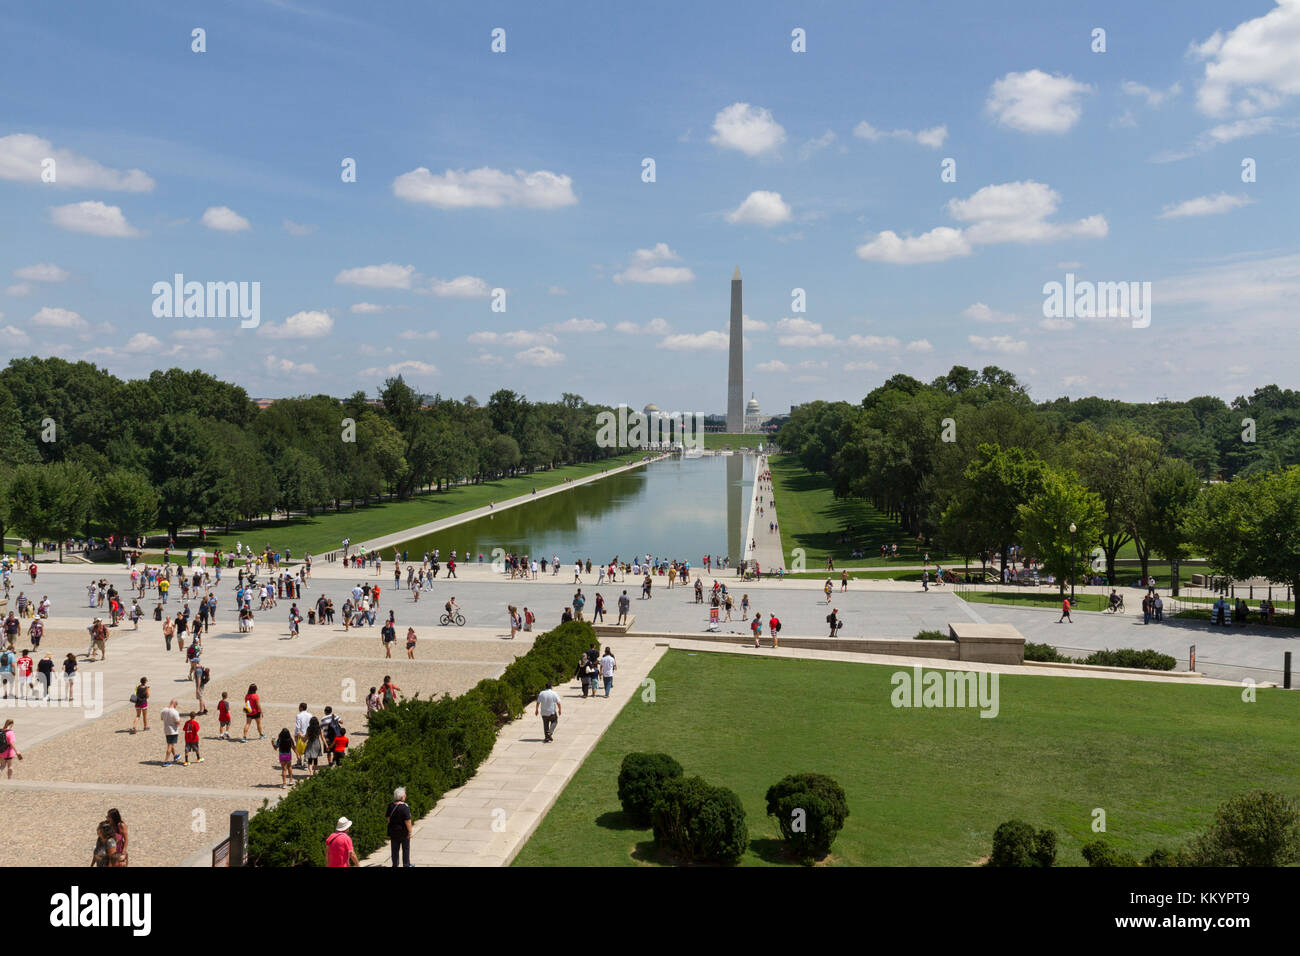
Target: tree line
[[970, 464], [87, 453]]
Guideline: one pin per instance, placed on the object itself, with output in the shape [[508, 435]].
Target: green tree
[[1046, 521], [126, 503], [50, 502], [1158, 521], [995, 485]]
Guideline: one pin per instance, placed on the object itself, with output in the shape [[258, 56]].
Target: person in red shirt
[[223, 717], [340, 748], [774, 628], [1065, 612], [338, 846], [191, 731], [24, 671], [252, 712]]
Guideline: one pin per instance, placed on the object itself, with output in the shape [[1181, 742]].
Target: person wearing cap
[[338, 846]]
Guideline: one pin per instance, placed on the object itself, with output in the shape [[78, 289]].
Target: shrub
[[641, 778], [1128, 657], [1161, 857], [1045, 652], [1253, 829], [933, 636], [699, 821], [1016, 844], [1101, 853], [427, 746], [824, 809]]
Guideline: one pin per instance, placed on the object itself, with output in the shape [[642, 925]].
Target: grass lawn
[[1082, 602], [882, 575], [325, 532], [812, 518], [719, 440], [927, 787]]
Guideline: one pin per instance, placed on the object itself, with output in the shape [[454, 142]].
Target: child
[[223, 717], [191, 731], [284, 746], [340, 748], [756, 626]]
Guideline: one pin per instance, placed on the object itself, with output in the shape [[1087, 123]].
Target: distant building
[[753, 420]]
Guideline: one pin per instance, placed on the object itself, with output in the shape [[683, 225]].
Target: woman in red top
[[252, 711], [8, 748]]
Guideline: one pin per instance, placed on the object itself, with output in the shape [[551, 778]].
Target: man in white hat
[[338, 846]]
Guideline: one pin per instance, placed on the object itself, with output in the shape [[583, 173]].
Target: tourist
[[625, 603], [826, 589], [756, 627], [171, 722], [744, 606], [70, 672], [105, 851], [338, 846], [284, 747], [389, 691], [585, 672], [340, 745], [330, 727], [9, 748], [45, 670], [223, 717], [1065, 612], [548, 705], [513, 614], [300, 722], [529, 617], [114, 820], [98, 635], [599, 614], [844, 580], [607, 667], [387, 635], [410, 643], [191, 731], [833, 620], [398, 816], [312, 751], [578, 603], [774, 628], [252, 712], [169, 630], [141, 700]]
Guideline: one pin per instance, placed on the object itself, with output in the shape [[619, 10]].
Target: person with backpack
[[774, 627], [191, 732], [756, 627], [141, 700], [8, 748], [201, 677], [388, 691], [529, 617], [330, 728]]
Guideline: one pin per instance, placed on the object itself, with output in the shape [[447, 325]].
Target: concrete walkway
[[487, 821], [767, 551], [407, 534]]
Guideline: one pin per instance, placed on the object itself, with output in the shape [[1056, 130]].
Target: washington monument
[[736, 362]]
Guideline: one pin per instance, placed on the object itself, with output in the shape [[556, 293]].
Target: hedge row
[[1124, 657], [426, 746]]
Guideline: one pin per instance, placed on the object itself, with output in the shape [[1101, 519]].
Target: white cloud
[[557, 290], [142, 342], [919, 345], [861, 367], [932, 137], [486, 358], [750, 129], [1036, 102], [369, 308], [486, 187], [752, 325], [873, 341], [689, 342], [776, 365], [50, 318], [387, 276], [1070, 380], [1003, 344], [812, 364], [653, 327], [1205, 206], [21, 156], [817, 145], [578, 326], [539, 356], [20, 289], [1154, 98], [401, 368], [297, 229], [284, 366], [647, 267], [461, 287], [224, 219], [1257, 61], [761, 208], [93, 217], [42, 272], [301, 325], [1056, 325], [982, 313], [517, 339], [800, 333], [938, 244], [414, 335]]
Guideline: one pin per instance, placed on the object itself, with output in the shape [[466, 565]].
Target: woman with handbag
[[141, 700]]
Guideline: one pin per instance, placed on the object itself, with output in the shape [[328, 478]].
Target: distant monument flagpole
[[736, 362]]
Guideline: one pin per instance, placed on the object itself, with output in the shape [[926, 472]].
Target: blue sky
[[522, 171]]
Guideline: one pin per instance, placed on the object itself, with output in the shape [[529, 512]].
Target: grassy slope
[[324, 532], [929, 786]]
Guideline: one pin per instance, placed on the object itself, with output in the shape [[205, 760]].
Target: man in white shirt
[[171, 721], [300, 722], [548, 705], [607, 667]]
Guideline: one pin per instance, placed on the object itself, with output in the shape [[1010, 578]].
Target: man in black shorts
[[389, 634]]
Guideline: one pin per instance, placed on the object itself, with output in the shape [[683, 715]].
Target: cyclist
[[451, 607], [1115, 600]]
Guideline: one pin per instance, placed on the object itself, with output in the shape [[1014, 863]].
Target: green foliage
[[1246, 527], [810, 810], [1015, 843], [1045, 652], [700, 822], [1046, 521], [50, 502], [932, 636], [1161, 857], [640, 780], [1101, 853], [1259, 828], [1128, 657], [427, 746]]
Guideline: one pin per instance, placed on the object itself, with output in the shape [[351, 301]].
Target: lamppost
[[1073, 529]]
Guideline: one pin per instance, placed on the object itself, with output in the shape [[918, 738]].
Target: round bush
[[1016, 844], [1101, 853], [1253, 829], [699, 821], [641, 778], [810, 810]]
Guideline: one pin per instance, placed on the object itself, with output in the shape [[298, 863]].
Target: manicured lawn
[[325, 532], [927, 787], [719, 440], [812, 518], [1082, 602]]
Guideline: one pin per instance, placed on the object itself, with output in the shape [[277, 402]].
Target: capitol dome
[[651, 409]]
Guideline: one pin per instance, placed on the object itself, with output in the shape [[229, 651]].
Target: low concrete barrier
[[988, 643]]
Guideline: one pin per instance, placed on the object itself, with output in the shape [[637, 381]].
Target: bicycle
[[1117, 606], [458, 619]]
